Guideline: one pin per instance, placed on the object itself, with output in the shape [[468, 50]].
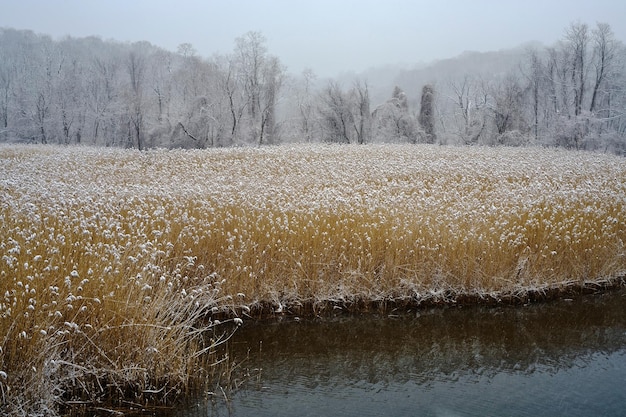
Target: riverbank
[[117, 264], [390, 305]]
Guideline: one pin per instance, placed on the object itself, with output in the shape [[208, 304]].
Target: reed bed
[[116, 263]]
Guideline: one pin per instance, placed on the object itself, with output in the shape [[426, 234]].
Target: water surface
[[566, 358]]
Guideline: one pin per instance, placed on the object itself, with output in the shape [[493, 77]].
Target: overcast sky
[[328, 36]]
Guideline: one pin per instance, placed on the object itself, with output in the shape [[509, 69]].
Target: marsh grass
[[117, 263]]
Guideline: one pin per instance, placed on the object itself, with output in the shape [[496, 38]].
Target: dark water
[[565, 358]]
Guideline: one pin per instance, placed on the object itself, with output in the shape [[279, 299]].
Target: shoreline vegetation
[[123, 272]]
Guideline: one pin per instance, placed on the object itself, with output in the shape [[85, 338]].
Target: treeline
[[572, 95], [87, 91], [105, 93]]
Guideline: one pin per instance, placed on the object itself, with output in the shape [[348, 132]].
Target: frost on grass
[[102, 246]]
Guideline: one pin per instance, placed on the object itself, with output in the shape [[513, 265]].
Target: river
[[562, 358]]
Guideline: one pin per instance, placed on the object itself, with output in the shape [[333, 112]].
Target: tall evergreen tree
[[426, 117]]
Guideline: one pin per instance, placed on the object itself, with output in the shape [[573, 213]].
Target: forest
[[90, 91]]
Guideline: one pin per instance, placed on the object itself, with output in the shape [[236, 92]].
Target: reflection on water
[[561, 358]]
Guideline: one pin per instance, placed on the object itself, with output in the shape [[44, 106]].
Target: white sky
[[328, 36]]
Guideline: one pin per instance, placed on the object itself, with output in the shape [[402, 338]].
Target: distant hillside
[[411, 78], [492, 65]]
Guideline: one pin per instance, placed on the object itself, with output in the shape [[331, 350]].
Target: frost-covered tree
[[362, 116], [508, 96], [345, 116], [577, 41], [534, 75], [136, 65], [197, 116], [574, 87], [8, 83], [336, 116], [604, 48], [393, 121], [305, 103], [272, 82], [470, 109], [71, 94], [262, 76]]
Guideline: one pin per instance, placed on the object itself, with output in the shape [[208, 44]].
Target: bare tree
[[534, 75], [101, 96], [577, 38], [509, 105], [272, 81], [136, 67], [71, 95], [305, 106], [7, 81], [262, 78], [44, 84], [362, 118], [604, 56], [251, 53], [471, 101], [235, 96], [336, 115]]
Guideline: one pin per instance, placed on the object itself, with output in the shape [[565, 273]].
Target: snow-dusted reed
[[110, 256]]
